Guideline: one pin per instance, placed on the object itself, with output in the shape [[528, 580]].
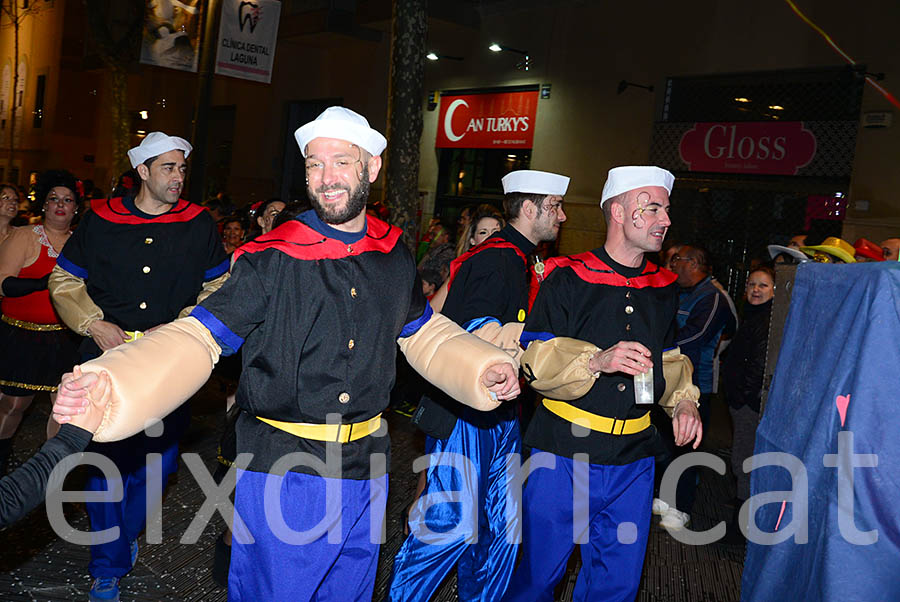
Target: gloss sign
[[768, 147], [495, 120]]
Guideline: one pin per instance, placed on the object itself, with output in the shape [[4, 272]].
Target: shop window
[[476, 172]]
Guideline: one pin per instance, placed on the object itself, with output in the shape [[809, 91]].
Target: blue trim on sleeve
[[77, 271], [213, 273], [527, 337], [227, 340], [476, 323], [414, 326]]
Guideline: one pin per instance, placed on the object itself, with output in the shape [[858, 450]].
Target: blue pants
[[282, 562], [113, 559], [482, 534], [613, 510]]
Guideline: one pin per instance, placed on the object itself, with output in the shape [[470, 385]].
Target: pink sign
[[764, 147]]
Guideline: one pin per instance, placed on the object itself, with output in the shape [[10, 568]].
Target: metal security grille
[[736, 216], [832, 94]]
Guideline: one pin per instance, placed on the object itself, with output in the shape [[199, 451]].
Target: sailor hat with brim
[[535, 182], [776, 250], [834, 246], [629, 177], [156, 143], [343, 124]]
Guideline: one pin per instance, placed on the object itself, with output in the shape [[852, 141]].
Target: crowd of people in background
[[726, 339]]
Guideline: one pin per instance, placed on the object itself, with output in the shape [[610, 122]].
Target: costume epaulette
[[114, 210], [298, 240]]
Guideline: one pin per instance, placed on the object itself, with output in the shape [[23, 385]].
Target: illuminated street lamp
[[525, 65]]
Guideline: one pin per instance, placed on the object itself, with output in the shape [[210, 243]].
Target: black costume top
[[489, 281], [318, 312], [745, 364], [143, 269], [24, 488], [595, 299]]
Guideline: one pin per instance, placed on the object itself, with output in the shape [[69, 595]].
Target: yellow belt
[[31, 325], [341, 433], [133, 335], [595, 422]]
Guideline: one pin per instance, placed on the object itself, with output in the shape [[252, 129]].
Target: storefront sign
[[247, 37], [768, 147], [497, 120]]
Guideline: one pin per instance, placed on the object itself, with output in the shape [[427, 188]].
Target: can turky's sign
[[767, 147], [501, 120]]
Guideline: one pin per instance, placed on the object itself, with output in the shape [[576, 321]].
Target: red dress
[[36, 307], [36, 349]]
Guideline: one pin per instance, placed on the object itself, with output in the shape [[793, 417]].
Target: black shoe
[[221, 562]]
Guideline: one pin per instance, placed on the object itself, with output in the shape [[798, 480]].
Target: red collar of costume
[[114, 210], [298, 240], [591, 268], [491, 243]]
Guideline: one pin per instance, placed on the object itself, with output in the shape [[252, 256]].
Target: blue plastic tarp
[[841, 349]]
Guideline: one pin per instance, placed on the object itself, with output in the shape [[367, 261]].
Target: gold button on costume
[[146, 269], [344, 397], [143, 305]]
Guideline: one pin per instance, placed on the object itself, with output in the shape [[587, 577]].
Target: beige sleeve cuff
[[558, 368], [506, 337], [153, 375], [208, 288], [72, 302], [454, 360], [678, 372]]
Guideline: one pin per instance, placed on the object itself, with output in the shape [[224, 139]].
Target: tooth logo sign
[[248, 14]]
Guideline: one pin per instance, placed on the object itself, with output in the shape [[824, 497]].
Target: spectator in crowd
[[485, 220], [669, 250], [35, 348], [433, 236], [891, 248], [232, 233], [431, 281], [743, 377], [9, 208], [866, 251], [267, 212], [126, 185], [704, 316], [24, 215], [798, 240], [290, 211]]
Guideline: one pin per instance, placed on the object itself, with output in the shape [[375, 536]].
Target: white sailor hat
[[535, 182], [156, 143], [343, 124], [629, 177]]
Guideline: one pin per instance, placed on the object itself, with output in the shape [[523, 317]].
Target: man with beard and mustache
[[596, 449], [136, 262], [318, 306], [489, 283]]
